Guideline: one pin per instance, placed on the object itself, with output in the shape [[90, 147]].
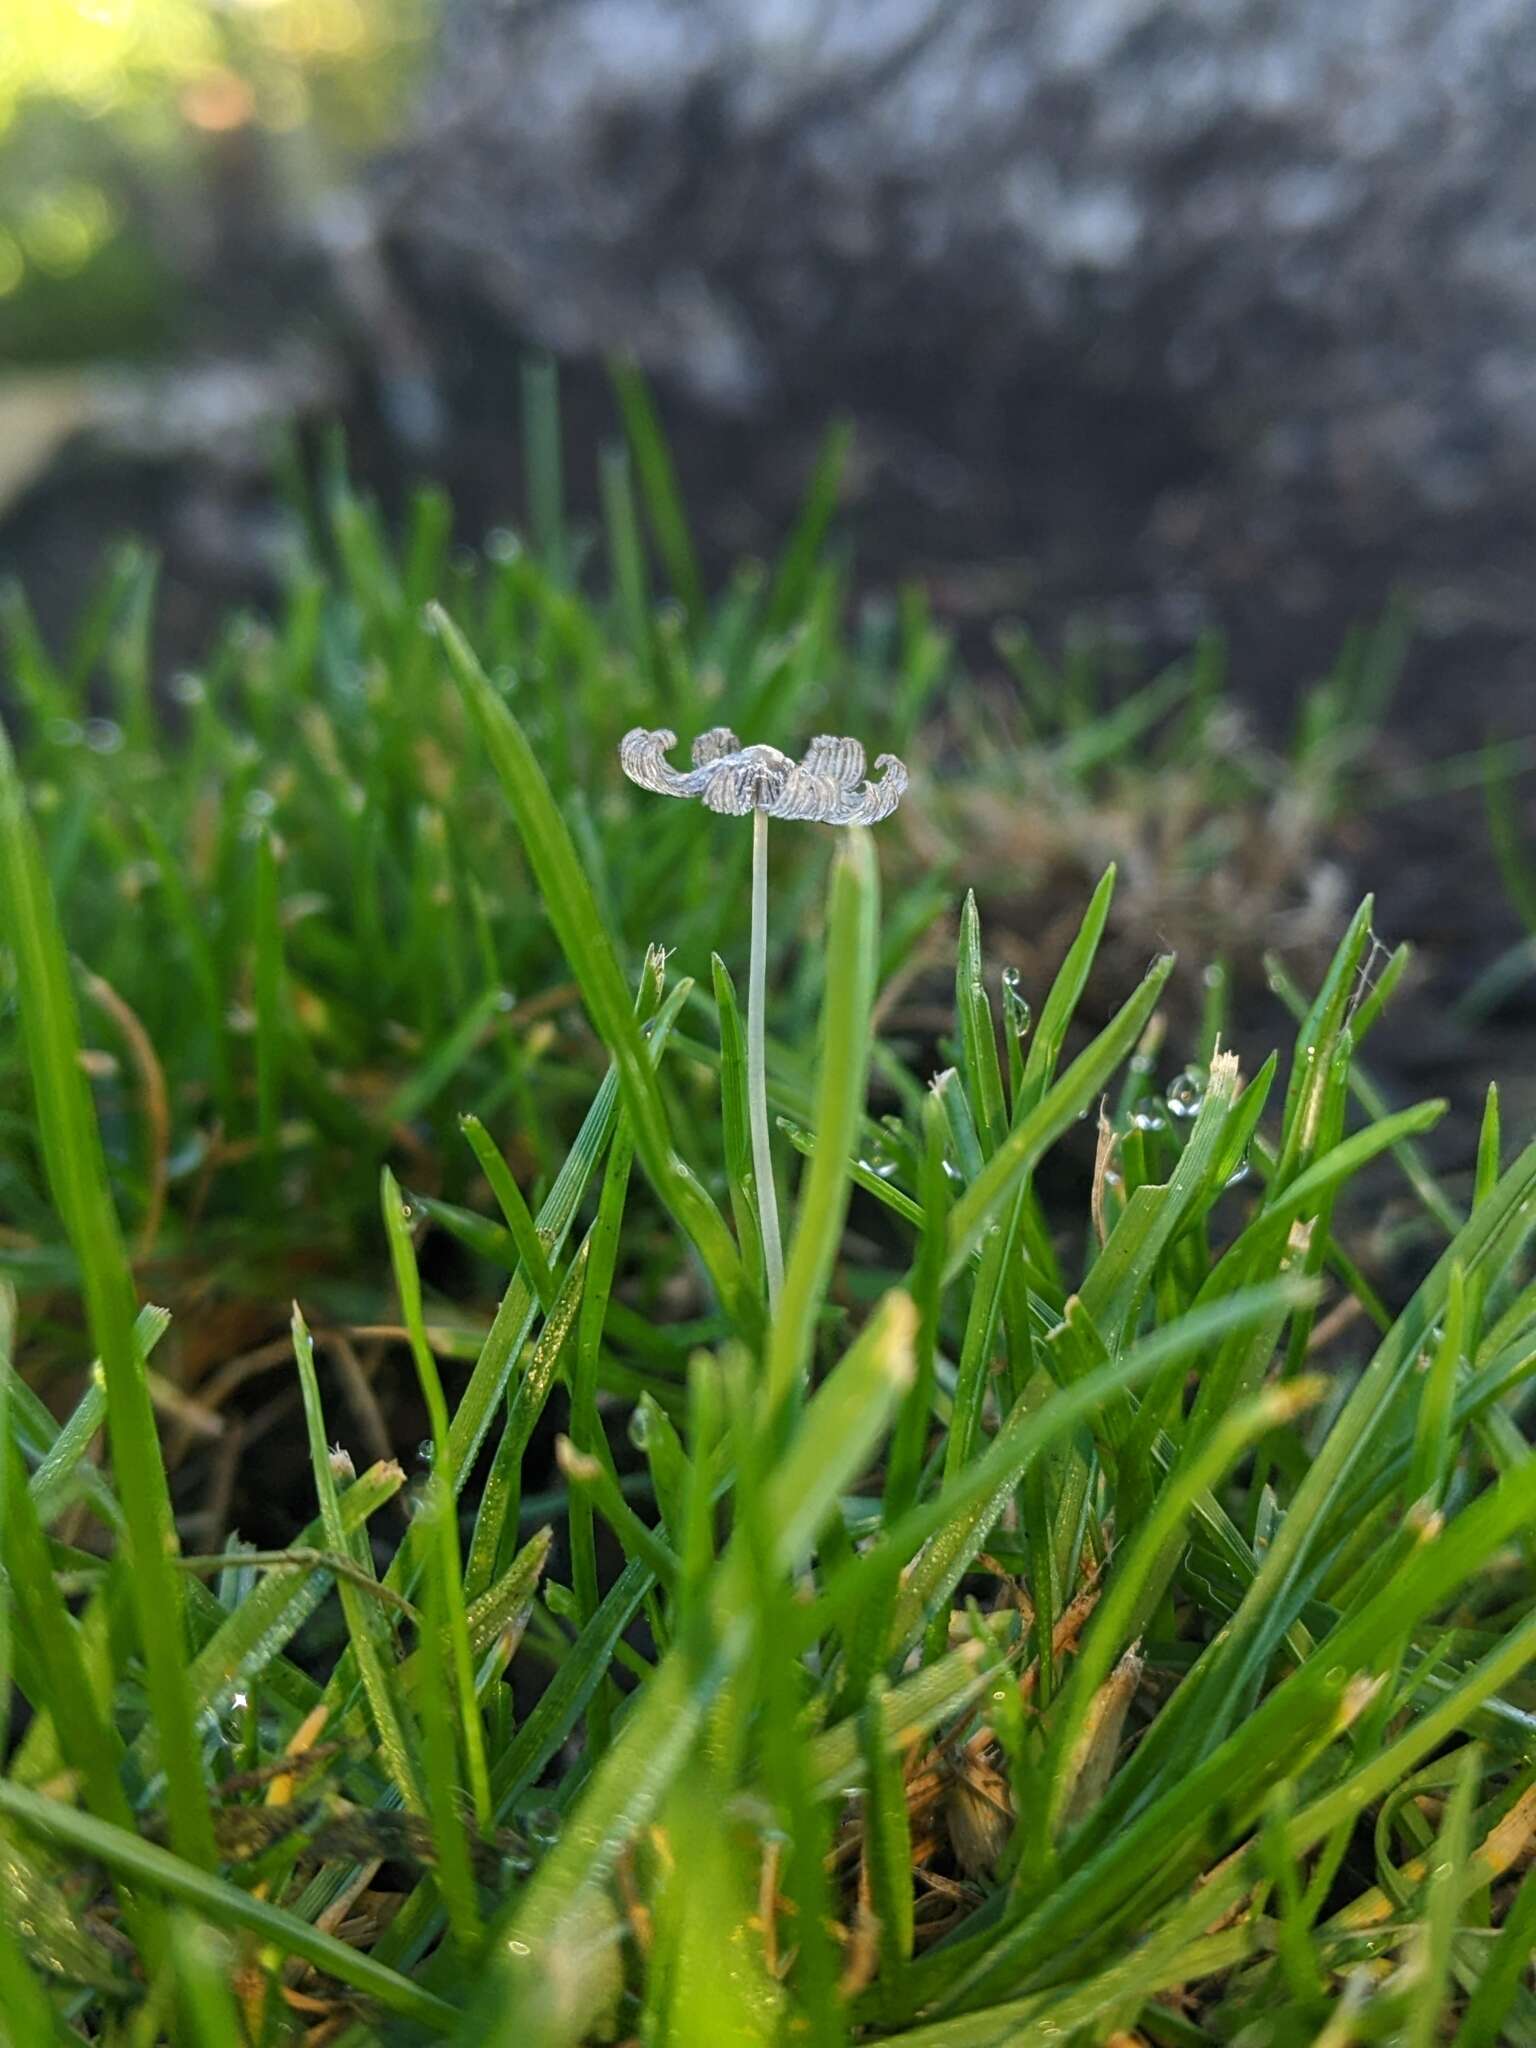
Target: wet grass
[[1097, 1603]]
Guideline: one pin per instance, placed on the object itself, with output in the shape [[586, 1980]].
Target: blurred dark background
[[1151, 316]]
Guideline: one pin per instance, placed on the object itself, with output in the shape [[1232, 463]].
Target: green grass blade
[[1137, 1579], [1434, 1446], [840, 1428], [589, 950], [835, 1436], [909, 1439], [1415, 1166], [63, 1473], [789, 598], [1060, 1005], [366, 1629], [929, 1696], [950, 1529], [129, 1856], [202, 1966], [626, 552], [1056, 1111], [242, 1646], [1442, 1906], [586, 1425], [889, 1845], [565, 1699], [56, 1673], [708, 1891], [448, 1059], [267, 982], [541, 1948], [496, 1517], [78, 1177], [1488, 1145], [658, 484], [853, 921], [30, 2017], [1504, 1973], [545, 470], [978, 1033], [440, 1686], [531, 1248], [449, 1601]]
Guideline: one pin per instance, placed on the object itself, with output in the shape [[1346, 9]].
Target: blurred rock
[[182, 456], [1173, 310]]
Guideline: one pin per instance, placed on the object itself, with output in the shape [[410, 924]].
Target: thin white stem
[[757, 1080]]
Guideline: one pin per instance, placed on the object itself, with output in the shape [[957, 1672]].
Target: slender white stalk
[[757, 1082]]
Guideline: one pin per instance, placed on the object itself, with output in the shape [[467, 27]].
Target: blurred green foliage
[[122, 121]]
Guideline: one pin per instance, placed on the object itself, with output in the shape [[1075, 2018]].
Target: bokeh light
[[106, 54], [92, 88], [64, 227]]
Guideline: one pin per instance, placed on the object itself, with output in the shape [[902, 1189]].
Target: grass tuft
[[1096, 1603]]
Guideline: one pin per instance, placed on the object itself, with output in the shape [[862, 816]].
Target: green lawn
[[1096, 1602]]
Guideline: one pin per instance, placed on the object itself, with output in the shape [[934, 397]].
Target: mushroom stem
[[757, 1082]]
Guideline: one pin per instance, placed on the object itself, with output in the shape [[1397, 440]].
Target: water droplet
[[543, 1823], [1241, 1172], [1016, 1010], [953, 1172], [1186, 1093], [63, 732], [426, 1451], [103, 735], [502, 544], [639, 1431], [1147, 1120], [881, 1164], [187, 688], [260, 803]]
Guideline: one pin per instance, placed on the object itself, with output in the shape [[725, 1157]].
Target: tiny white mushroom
[[828, 787]]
